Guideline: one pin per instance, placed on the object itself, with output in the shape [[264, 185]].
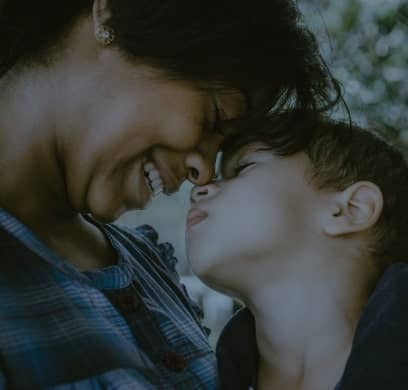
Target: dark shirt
[[379, 354]]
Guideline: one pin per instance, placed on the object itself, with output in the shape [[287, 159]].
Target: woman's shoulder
[[142, 242]]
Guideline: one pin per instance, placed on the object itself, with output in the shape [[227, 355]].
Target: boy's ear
[[355, 209]]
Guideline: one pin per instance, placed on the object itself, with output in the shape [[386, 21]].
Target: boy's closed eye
[[239, 162], [242, 167], [234, 170]]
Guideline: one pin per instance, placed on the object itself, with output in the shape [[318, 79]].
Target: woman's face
[[261, 209], [128, 131]]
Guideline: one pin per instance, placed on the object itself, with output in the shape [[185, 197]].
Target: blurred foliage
[[365, 44]]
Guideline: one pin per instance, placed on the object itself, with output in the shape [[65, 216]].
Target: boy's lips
[[195, 216]]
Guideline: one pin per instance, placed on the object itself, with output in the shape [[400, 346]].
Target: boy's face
[[263, 208]]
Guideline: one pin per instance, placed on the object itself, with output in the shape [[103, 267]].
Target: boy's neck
[[305, 322]]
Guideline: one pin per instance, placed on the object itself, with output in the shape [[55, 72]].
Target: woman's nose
[[199, 193], [200, 169], [201, 161]]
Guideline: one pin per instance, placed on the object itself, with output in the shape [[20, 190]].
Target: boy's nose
[[199, 193]]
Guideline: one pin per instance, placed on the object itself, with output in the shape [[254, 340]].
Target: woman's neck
[[304, 327]]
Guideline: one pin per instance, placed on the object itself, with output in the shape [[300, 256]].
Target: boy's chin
[[202, 272], [198, 269], [208, 272], [219, 284]]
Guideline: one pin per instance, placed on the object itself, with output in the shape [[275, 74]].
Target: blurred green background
[[365, 44]]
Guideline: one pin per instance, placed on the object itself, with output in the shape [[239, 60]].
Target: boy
[[305, 227]]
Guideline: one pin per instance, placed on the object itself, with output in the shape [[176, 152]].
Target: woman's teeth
[[153, 178]]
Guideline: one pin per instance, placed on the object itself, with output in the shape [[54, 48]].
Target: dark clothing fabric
[[237, 354], [128, 326], [379, 355]]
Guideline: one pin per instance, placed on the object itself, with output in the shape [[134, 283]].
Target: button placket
[[128, 303], [174, 361], [150, 339]]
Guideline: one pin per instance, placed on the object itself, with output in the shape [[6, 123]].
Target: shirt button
[[128, 303], [174, 361]]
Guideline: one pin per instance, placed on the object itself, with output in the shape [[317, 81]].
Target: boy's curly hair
[[340, 155]]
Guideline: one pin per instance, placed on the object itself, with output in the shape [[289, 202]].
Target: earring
[[104, 35]]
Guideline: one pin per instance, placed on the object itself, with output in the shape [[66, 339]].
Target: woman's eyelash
[[213, 125], [216, 120], [217, 176], [241, 167]]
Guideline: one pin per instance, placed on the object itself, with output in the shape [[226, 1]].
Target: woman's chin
[[107, 215], [103, 218]]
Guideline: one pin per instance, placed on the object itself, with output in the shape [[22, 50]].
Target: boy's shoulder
[[379, 354], [236, 352]]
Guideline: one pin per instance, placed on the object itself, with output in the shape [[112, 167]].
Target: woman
[[104, 104], [305, 228]]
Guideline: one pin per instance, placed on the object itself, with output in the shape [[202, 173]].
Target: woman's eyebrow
[[229, 126], [247, 101], [223, 166], [229, 157]]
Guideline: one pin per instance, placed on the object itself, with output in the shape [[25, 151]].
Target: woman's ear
[[104, 34], [100, 13], [355, 209]]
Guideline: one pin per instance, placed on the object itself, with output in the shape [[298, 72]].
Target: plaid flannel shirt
[[128, 326]]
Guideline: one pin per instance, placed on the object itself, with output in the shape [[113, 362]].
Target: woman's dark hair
[[257, 45]]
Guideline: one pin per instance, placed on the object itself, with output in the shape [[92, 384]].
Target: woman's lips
[[170, 182], [195, 216]]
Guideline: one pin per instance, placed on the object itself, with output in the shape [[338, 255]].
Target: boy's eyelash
[[236, 172], [241, 167]]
